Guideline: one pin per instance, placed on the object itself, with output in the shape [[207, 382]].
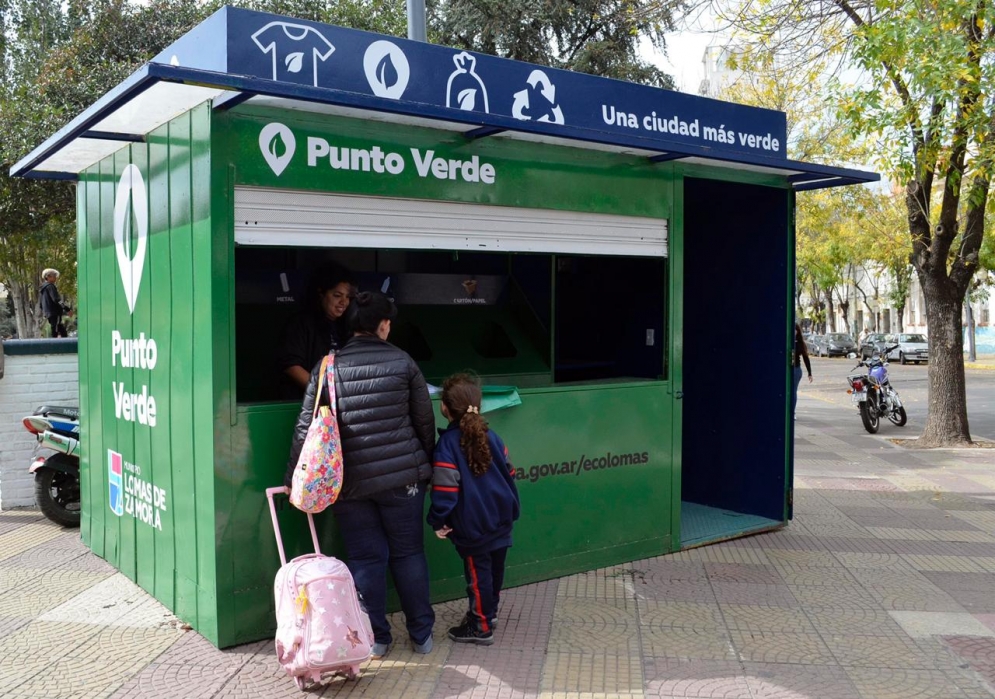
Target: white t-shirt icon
[[296, 50]]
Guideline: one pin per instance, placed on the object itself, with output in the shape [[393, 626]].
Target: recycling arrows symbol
[[538, 82]]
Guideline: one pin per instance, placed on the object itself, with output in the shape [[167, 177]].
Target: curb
[[976, 365]]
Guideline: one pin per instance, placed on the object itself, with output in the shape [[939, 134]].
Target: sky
[[683, 60], [685, 50]]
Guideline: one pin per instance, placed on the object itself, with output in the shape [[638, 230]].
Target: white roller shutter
[[288, 217]]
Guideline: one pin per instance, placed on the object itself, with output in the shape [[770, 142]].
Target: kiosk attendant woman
[[321, 328]]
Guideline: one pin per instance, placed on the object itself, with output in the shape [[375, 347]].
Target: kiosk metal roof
[[244, 57]]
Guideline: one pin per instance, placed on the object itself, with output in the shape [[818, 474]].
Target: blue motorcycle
[[873, 394], [57, 487]]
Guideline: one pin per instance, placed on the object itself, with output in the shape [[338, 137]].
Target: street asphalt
[[882, 587], [911, 382]]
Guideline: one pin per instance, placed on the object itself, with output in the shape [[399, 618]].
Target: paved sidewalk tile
[[780, 681], [15, 519], [695, 678], [924, 624], [882, 588]]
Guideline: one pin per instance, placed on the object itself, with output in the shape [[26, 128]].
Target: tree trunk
[[27, 315], [946, 422], [900, 314], [971, 354], [830, 313]]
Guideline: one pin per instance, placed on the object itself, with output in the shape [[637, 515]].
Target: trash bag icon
[[465, 90]]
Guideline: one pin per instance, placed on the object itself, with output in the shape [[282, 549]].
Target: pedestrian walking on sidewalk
[[51, 303], [474, 504], [799, 353]]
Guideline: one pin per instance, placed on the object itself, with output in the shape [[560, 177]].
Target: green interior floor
[[701, 524]]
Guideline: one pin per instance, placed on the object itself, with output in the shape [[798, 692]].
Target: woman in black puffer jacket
[[388, 435]]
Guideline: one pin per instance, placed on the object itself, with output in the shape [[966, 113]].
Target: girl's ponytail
[[462, 397], [473, 442]]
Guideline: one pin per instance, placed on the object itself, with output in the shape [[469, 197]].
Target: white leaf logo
[[294, 62], [387, 70], [467, 99], [131, 201], [277, 144]]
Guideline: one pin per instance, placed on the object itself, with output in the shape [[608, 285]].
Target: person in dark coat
[[799, 353], [474, 504], [320, 328], [388, 436], [51, 302]]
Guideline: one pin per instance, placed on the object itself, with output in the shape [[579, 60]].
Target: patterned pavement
[[883, 587]]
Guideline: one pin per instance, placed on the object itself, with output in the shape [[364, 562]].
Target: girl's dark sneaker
[[467, 632]]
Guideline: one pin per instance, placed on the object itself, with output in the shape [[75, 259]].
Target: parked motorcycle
[[873, 393], [56, 475]]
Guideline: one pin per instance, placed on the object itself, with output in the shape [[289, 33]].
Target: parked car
[[837, 345], [875, 343], [813, 343], [912, 347]]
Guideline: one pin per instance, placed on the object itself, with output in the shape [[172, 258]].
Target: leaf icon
[[386, 72], [467, 99], [129, 229], [277, 147], [294, 61]]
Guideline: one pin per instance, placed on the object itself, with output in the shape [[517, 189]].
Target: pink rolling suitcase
[[320, 626]]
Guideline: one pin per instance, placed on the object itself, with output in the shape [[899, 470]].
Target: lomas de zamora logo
[[115, 482], [131, 224]]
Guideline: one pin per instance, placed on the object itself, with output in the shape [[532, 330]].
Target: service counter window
[[528, 320]]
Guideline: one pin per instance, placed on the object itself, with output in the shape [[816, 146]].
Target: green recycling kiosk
[[620, 255]]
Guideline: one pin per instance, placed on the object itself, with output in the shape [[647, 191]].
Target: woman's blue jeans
[[387, 530], [794, 388]]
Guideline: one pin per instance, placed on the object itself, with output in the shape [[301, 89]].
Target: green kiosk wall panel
[[592, 460], [587, 479], [146, 391]]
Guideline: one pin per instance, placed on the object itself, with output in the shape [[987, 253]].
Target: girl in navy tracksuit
[[474, 503]]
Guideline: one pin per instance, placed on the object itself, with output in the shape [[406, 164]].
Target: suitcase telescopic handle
[[284, 490]]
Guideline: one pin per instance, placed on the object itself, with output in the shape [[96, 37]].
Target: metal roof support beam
[[232, 100], [664, 157], [482, 132], [805, 177], [43, 175], [824, 183], [113, 136]]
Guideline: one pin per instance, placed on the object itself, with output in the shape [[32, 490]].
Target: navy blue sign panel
[[431, 80]]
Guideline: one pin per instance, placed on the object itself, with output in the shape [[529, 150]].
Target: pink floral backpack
[[318, 477]]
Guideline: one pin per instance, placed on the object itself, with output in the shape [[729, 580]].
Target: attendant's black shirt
[[309, 337]]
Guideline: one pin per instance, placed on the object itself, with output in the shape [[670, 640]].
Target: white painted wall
[[29, 381]]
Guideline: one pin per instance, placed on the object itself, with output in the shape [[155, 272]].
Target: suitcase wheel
[[301, 682]]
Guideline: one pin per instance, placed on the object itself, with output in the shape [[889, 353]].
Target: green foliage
[[591, 36], [58, 58], [7, 324], [923, 97], [368, 15]]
